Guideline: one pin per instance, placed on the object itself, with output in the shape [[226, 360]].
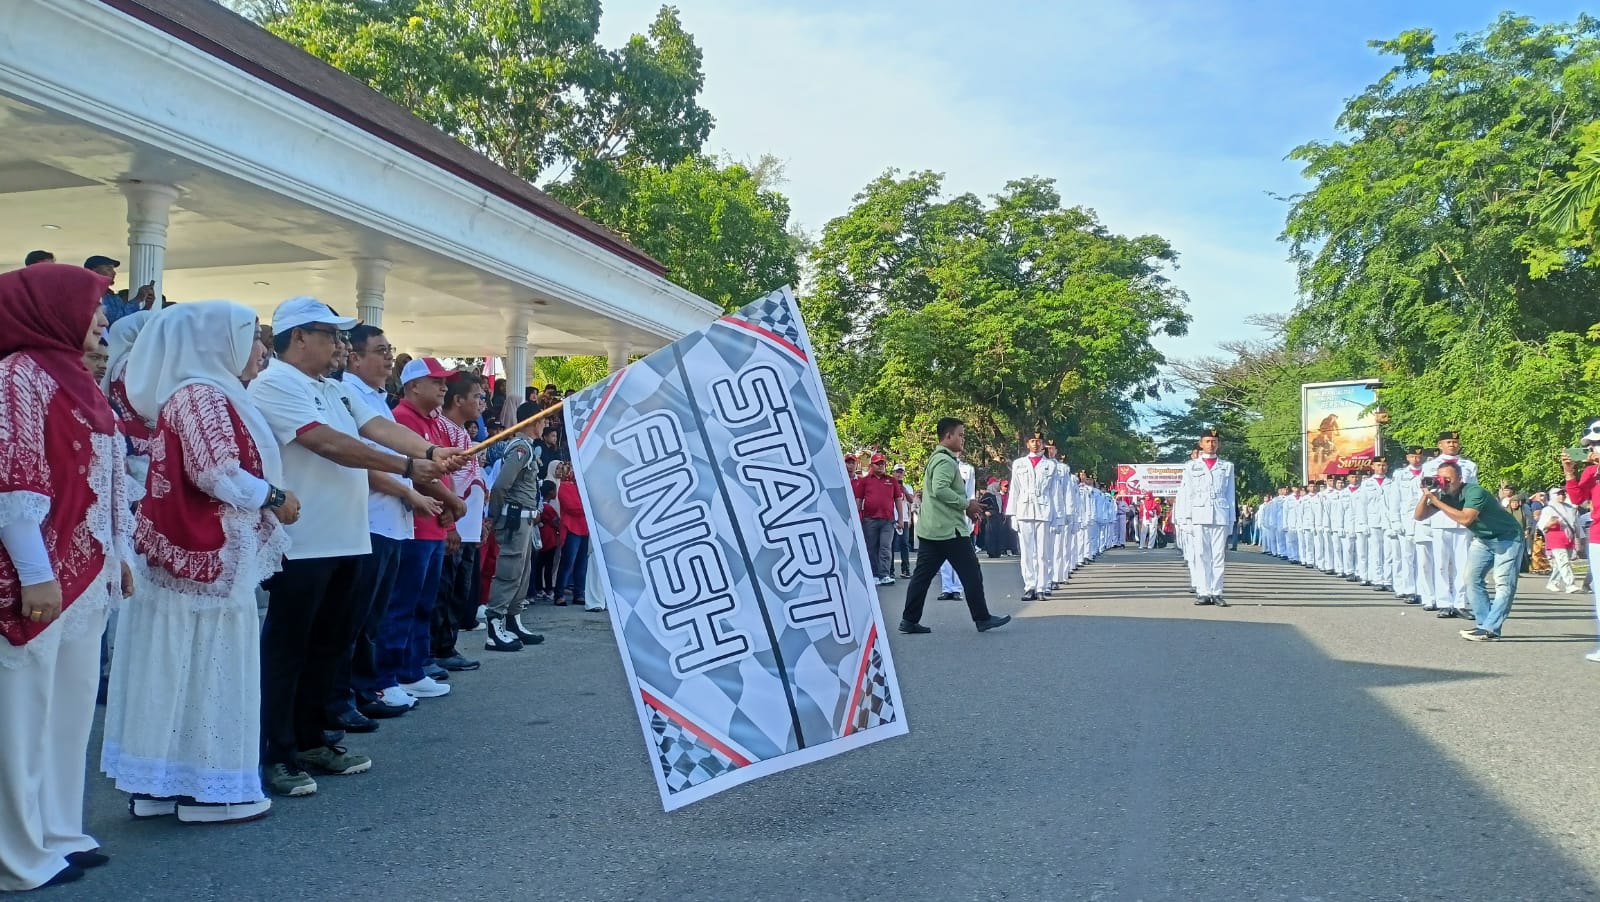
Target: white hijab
[[119, 344], [208, 342]]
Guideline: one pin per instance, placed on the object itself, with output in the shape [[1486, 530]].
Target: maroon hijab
[[51, 408], [46, 309]]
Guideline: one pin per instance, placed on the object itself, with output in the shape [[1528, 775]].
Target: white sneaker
[[1593, 656], [1573, 590], [426, 688], [397, 697], [1550, 587]]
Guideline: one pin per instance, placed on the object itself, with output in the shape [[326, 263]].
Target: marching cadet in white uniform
[[1376, 540], [1061, 561], [1356, 527], [1085, 521], [1209, 506], [1055, 577], [1310, 524], [1324, 512], [949, 583], [1291, 524], [1337, 500], [1414, 574], [1450, 539], [1030, 507]]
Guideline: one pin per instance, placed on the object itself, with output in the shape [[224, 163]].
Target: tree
[[614, 133], [1424, 244], [722, 233], [526, 84], [1016, 315]]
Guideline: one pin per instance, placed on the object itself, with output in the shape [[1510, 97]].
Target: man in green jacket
[[944, 534]]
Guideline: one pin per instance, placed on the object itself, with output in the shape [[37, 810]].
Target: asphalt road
[[1316, 741]]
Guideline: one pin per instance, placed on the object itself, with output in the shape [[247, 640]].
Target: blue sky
[[1165, 116]]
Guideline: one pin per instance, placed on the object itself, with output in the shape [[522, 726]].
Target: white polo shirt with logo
[[387, 515], [333, 508]]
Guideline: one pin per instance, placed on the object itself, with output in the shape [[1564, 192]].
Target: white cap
[[303, 311], [424, 368]]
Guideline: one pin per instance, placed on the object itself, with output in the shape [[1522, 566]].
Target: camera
[[1431, 482]]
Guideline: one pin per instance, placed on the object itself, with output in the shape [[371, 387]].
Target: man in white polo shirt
[[320, 426], [390, 501]]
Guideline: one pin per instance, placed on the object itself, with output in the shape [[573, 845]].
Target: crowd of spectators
[[288, 526]]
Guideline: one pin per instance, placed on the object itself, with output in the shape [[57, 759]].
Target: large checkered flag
[[725, 532]]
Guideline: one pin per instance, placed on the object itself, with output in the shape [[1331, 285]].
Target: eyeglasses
[[333, 332], [380, 350]]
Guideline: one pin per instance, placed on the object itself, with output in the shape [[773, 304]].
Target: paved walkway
[[1316, 741]]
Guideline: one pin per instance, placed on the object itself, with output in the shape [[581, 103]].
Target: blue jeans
[[574, 570], [404, 636], [1503, 556]]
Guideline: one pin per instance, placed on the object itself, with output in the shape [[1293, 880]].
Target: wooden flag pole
[[479, 447]]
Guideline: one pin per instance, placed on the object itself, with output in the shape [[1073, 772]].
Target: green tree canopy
[[616, 133], [1016, 314]]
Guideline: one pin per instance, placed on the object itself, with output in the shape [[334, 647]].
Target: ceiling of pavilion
[[228, 239]]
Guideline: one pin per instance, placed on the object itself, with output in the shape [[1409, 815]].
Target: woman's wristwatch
[[276, 498]]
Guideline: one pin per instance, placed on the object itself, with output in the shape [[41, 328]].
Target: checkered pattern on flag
[[725, 535]]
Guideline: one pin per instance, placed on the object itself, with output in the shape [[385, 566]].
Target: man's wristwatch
[[276, 498], [431, 449]]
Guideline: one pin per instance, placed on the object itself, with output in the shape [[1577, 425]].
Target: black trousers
[[303, 641], [357, 674], [457, 606], [931, 555]]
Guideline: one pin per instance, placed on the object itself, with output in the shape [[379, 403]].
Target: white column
[[149, 204], [617, 353], [372, 275], [516, 362]]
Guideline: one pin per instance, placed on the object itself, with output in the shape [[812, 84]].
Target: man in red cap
[[882, 503]]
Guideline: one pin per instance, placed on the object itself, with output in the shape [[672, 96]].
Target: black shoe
[[458, 663], [1030, 595], [1219, 601], [91, 859], [1479, 635], [1412, 599], [1202, 600], [946, 596], [956, 596], [1448, 613], [1429, 607], [905, 574], [1044, 593], [499, 637], [353, 722], [993, 623], [67, 874], [379, 710], [514, 625], [907, 626]]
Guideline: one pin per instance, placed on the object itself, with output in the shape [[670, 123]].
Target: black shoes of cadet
[[907, 626], [993, 623]]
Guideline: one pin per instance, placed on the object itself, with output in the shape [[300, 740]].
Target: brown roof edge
[[212, 28]]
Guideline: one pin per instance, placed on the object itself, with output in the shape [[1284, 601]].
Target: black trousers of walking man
[[931, 555]]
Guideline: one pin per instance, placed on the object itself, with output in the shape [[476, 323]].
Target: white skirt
[[183, 711]]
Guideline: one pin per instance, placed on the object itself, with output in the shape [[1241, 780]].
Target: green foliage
[[722, 234], [1013, 315], [615, 133], [568, 372], [525, 83], [1444, 248]]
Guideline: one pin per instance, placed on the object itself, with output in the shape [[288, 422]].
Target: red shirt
[[431, 428], [1587, 488], [877, 495], [572, 518]]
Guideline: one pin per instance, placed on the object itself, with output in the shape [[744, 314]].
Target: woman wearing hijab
[[64, 540], [119, 345], [1558, 522], [183, 717]]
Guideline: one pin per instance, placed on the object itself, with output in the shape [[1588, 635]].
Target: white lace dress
[[183, 711]]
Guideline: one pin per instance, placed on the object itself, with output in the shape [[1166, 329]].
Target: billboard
[[1338, 426], [1160, 480], [728, 546]]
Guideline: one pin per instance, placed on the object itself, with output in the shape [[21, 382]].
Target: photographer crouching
[[1496, 543]]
